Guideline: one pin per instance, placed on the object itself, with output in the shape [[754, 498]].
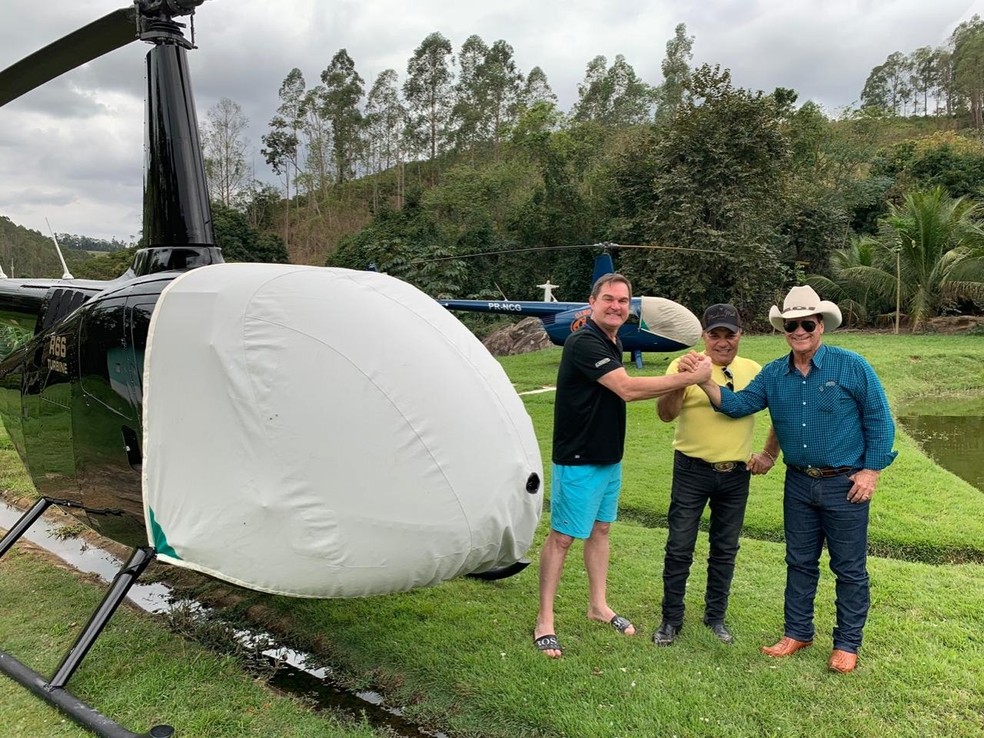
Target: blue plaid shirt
[[837, 415]]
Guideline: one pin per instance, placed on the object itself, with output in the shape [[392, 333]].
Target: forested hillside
[[466, 179], [28, 253]]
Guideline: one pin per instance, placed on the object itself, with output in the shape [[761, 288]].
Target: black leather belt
[[722, 467], [822, 472]]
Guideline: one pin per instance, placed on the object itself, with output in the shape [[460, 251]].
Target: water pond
[[951, 432]]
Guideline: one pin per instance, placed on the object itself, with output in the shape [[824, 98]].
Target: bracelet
[[774, 458]]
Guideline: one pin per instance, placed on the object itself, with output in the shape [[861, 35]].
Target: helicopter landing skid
[[501, 573], [53, 691]]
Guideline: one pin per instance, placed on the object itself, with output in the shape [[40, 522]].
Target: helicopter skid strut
[[53, 691]]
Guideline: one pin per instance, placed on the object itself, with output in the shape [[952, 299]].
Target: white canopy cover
[[329, 433], [670, 320]]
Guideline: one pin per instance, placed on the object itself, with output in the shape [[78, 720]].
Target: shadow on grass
[[918, 552]]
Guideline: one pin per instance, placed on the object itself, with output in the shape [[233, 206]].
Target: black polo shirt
[[589, 419]]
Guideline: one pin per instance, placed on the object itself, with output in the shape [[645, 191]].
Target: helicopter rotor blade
[[77, 48]]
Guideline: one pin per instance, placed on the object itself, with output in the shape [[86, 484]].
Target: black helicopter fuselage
[[70, 397]]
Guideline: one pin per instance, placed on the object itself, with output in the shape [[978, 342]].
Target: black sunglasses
[[808, 325], [730, 377]]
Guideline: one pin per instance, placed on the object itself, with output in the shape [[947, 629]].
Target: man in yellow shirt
[[712, 463]]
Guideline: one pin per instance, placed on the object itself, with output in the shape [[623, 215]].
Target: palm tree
[[930, 250], [858, 304]]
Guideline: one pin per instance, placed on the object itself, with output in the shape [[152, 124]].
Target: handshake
[[697, 364]]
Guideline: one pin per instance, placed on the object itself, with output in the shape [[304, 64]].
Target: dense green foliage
[[734, 195], [110, 266], [466, 179], [241, 242]]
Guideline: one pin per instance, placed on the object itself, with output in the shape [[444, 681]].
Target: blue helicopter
[[655, 324]]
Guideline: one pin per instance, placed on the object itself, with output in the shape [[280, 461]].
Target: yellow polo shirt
[[705, 434]]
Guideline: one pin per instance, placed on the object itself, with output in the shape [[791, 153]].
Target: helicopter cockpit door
[[102, 413], [47, 413], [139, 309]]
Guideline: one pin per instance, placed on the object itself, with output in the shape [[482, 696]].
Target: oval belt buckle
[[814, 472], [724, 466]]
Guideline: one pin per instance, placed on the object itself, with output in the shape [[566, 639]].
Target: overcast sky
[[71, 151]]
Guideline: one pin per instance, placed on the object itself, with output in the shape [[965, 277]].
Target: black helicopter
[[206, 413]]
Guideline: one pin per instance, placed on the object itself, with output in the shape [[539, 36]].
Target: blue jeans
[[695, 484], [815, 511]]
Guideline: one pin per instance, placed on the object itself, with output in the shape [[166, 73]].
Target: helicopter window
[[61, 303], [102, 356], [52, 308], [139, 326]]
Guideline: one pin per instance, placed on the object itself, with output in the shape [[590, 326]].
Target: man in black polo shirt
[[589, 436]]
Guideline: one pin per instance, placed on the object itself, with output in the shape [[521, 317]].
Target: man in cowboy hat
[[832, 422]]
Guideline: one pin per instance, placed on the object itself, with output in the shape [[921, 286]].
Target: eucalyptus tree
[[468, 111], [317, 175], [875, 95], [888, 85], [340, 108], [931, 252], [225, 148], [502, 85], [898, 69], [536, 89], [592, 93], [427, 91], [943, 76], [968, 66], [612, 96], [386, 119], [924, 74], [676, 72], [281, 143]]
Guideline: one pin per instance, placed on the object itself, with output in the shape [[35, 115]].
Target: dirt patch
[[956, 324]]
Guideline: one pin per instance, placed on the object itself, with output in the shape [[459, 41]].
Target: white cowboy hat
[[801, 302]]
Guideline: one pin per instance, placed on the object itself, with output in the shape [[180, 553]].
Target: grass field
[[459, 657]]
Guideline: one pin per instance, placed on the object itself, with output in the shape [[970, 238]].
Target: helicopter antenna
[[66, 274]]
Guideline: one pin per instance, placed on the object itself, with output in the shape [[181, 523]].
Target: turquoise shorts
[[581, 495]]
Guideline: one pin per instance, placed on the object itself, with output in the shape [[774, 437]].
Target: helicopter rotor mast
[[177, 221]]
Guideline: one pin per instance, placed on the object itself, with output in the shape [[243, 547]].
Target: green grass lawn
[[138, 674], [459, 656]]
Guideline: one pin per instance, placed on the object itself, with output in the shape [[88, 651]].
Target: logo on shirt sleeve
[[602, 362]]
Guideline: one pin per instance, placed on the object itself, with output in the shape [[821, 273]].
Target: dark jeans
[[695, 484], [814, 511]]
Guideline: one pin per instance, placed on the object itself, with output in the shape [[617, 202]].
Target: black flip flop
[[620, 624], [548, 642]]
